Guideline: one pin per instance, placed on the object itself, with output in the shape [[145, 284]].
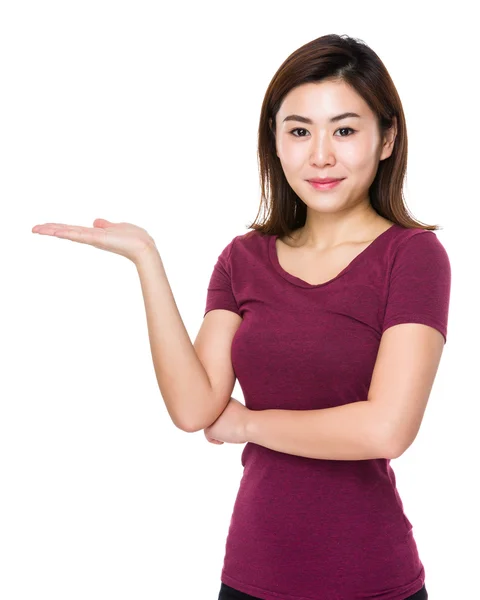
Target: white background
[[148, 113]]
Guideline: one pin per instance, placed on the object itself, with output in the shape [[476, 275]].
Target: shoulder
[[414, 243], [250, 237], [240, 246], [249, 241], [418, 259], [247, 250]]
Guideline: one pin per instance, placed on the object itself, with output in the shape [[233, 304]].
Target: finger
[[98, 224], [48, 225], [83, 235], [102, 223], [62, 226], [210, 439], [75, 233], [51, 228]]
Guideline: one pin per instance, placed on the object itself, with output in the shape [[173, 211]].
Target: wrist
[[148, 255], [251, 425]]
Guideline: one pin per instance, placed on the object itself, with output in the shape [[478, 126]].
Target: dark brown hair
[[338, 58]]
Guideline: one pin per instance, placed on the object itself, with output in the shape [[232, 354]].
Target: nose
[[322, 151]]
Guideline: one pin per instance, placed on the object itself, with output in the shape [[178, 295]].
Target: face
[[350, 148]]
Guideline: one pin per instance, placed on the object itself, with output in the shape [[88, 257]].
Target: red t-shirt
[[303, 528]]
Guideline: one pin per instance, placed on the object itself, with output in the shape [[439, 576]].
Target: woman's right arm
[[196, 382], [183, 380]]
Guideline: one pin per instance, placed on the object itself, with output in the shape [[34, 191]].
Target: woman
[[332, 313]]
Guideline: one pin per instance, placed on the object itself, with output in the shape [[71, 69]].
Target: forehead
[[322, 100]]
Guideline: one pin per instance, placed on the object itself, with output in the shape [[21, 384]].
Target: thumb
[[102, 223]]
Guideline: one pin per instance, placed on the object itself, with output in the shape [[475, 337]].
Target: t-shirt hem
[[421, 320], [258, 592], [222, 306]]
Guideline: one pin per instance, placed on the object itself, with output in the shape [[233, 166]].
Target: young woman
[[332, 313]]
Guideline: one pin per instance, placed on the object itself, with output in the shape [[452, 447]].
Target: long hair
[[336, 58]]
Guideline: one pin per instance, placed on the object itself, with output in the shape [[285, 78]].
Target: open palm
[[125, 239]]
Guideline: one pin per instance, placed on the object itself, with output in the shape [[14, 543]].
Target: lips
[[329, 185], [326, 180]]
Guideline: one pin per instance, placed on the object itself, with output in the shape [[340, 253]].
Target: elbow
[[198, 427], [184, 428], [399, 441], [190, 428], [180, 423], [386, 444], [207, 413], [194, 427], [385, 434], [391, 447], [205, 420], [397, 449], [187, 426], [190, 425], [391, 452]]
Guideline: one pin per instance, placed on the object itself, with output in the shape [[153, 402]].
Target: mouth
[[324, 185], [324, 179]]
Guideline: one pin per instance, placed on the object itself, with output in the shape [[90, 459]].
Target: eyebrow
[[332, 120]]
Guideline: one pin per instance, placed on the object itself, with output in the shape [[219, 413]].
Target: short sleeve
[[219, 291], [419, 286]]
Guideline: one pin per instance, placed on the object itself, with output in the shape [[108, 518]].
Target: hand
[[230, 426], [120, 238]]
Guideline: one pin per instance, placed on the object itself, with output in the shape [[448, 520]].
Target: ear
[[389, 140]]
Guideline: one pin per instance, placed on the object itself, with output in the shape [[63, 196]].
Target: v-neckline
[[272, 251]]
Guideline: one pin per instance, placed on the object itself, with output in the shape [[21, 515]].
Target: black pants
[[229, 593]]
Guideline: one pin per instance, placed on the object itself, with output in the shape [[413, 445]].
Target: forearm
[[349, 432], [181, 377]]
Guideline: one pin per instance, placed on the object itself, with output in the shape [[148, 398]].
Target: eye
[[341, 129], [297, 129], [346, 129]]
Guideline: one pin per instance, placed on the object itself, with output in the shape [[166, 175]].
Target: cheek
[[292, 155], [357, 157]]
